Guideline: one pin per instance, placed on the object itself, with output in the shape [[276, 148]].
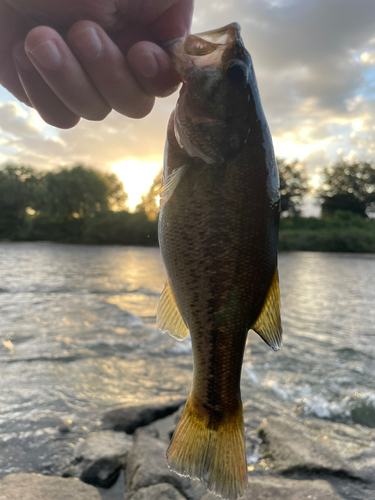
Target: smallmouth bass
[[218, 230]]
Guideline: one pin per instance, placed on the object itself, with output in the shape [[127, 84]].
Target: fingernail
[[46, 54], [148, 66], [89, 44], [21, 57]]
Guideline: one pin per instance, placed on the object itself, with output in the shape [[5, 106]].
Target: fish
[[218, 231]]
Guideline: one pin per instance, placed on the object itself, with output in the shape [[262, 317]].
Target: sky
[[315, 65]]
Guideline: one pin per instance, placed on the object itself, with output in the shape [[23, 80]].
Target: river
[[78, 337]]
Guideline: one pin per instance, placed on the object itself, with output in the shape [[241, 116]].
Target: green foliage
[[149, 204], [349, 186], [70, 205], [121, 228], [77, 192], [344, 232], [293, 186], [74, 205], [17, 193]]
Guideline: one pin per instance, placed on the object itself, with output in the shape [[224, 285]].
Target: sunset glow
[[137, 176]]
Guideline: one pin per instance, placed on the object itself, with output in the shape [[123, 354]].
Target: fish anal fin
[[168, 316], [268, 324], [215, 454]]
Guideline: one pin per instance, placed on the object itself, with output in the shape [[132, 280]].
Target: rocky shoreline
[[125, 460]]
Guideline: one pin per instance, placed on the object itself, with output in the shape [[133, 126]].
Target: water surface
[[78, 336]]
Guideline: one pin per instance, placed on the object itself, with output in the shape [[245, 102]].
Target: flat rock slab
[[129, 418], [291, 448], [103, 444], [38, 487], [275, 488], [162, 491], [146, 466]]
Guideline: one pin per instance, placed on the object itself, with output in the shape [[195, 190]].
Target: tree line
[[81, 204], [77, 204]]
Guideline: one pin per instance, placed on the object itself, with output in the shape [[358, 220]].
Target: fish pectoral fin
[[168, 316], [170, 185], [268, 324]]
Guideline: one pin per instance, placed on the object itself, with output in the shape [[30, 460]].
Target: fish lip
[[232, 30], [203, 49]]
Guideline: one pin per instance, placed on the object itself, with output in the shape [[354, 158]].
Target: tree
[[17, 193], [117, 197], [293, 186], [78, 192], [149, 203], [349, 186], [342, 202]]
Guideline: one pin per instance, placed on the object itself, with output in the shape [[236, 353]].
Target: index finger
[[174, 22], [148, 12]]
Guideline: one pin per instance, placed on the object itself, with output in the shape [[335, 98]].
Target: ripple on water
[[81, 323]]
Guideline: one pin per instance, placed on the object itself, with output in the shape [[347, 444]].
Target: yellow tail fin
[[214, 454]]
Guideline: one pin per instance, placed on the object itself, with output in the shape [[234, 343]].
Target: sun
[[137, 176]]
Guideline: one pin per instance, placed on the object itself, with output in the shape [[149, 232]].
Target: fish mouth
[[216, 49]]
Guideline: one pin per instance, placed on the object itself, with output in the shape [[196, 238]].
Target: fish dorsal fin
[[168, 317], [268, 324], [170, 184]]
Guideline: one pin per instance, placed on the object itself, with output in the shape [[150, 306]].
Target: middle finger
[[63, 73]]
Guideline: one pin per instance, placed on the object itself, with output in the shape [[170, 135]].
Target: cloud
[[315, 64], [14, 120]]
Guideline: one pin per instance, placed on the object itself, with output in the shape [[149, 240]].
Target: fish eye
[[237, 72]]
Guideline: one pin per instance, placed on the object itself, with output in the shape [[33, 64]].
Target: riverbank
[[288, 459], [344, 232]]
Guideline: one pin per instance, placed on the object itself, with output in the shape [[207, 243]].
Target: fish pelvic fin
[[211, 452], [268, 324], [170, 184], [168, 316]]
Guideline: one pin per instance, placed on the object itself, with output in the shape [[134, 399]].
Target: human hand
[[82, 58]]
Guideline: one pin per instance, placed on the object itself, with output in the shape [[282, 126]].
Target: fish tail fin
[[213, 452]]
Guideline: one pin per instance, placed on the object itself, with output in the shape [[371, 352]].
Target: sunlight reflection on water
[[78, 336]]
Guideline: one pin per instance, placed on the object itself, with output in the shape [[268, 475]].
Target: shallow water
[[78, 336]]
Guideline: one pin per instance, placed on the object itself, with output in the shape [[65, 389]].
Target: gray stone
[[129, 418], [146, 466], [117, 492], [276, 488], [38, 487], [103, 472], [103, 444], [150, 430], [161, 491], [65, 425], [292, 449], [99, 459]]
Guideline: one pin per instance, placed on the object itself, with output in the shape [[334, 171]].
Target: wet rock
[[146, 466], [117, 492], [103, 444], [38, 487], [292, 449], [65, 425], [161, 491], [103, 472], [275, 488], [129, 418], [364, 414], [150, 430], [99, 459]]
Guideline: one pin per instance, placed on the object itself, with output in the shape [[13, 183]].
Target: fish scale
[[218, 230]]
